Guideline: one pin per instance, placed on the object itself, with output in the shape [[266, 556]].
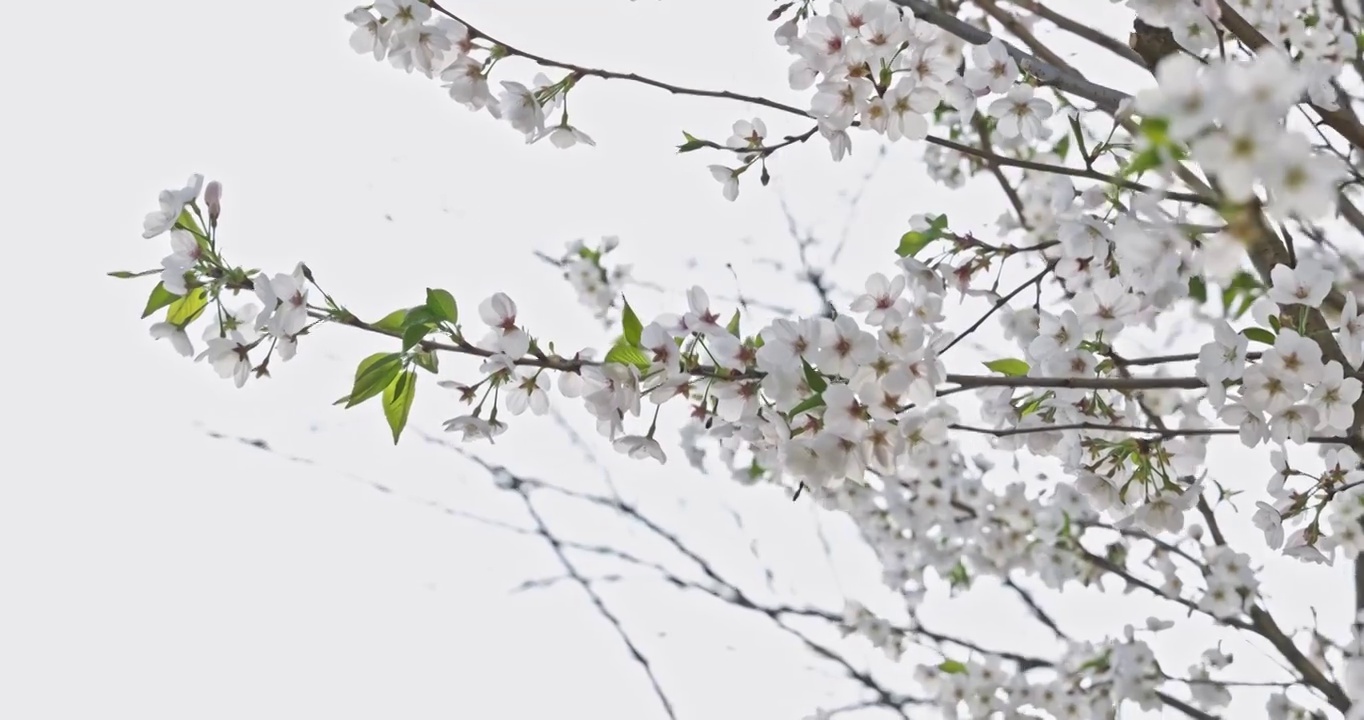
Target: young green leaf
[[1011, 367], [813, 378], [959, 577], [414, 334], [398, 396], [160, 297], [427, 361], [1198, 290], [1062, 148], [372, 375], [1158, 148], [808, 404], [393, 322], [952, 667], [442, 304], [733, 326], [187, 309], [186, 221], [691, 144], [626, 354], [1259, 335], [124, 274], [914, 240], [631, 326], [420, 315]]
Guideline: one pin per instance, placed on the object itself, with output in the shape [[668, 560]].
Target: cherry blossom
[[1199, 210]]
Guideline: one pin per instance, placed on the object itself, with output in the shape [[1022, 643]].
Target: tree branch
[[1063, 79]]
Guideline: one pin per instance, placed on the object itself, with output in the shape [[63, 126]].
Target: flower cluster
[[194, 277], [584, 267], [850, 408], [413, 37], [1231, 114]]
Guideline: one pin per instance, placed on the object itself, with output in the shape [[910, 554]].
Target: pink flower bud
[[213, 196]]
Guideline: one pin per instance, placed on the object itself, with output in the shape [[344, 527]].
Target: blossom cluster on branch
[[854, 408]]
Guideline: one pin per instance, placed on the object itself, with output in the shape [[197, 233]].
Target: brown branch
[[1070, 81], [997, 306], [1080, 30], [1055, 75], [557, 546], [1195, 198], [983, 129], [1164, 433], [1078, 383], [1337, 120], [1184, 707]]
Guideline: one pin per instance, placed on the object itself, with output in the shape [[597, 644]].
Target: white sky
[[148, 570]]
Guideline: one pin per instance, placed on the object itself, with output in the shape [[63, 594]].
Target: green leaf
[[630, 323], [733, 326], [914, 241], [186, 221], [691, 144], [1156, 129], [1198, 290], [187, 309], [1259, 335], [414, 334], [813, 378], [959, 577], [427, 361], [952, 667], [160, 297], [393, 322], [442, 304], [124, 274], [398, 396], [1158, 148], [1242, 292], [372, 375], [1011, 367], [808, 404], [626, 354], [420, 315], [1079, 133], [1033, 405], [1141, 162], [1062, 148]]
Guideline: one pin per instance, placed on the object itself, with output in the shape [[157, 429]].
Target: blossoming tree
[[1222, 191]]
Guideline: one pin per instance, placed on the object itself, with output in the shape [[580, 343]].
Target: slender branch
[[1163, 359], [983, 129], [1086, 173], [1114, 568], [1337, 120], [1081, 30], [1079, 383], [1046, 73], [1025, 662], [573, 365], [1184, 707], [1160, 431], [997, 306], [1035, 608], [612, 75], [1070, 82], [557, 546]]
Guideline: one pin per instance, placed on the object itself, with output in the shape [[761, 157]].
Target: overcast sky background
[[151, 570]]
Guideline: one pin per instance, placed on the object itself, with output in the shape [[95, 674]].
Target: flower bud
[[213, 197]]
